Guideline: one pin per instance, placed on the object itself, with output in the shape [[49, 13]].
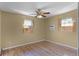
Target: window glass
[[67, 22], [27, 24]]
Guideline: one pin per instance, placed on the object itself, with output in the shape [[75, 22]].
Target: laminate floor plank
[[43, 48]]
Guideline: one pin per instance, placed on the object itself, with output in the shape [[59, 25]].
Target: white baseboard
[[22, 44], [40, 41], [62, 44], [0, 51]]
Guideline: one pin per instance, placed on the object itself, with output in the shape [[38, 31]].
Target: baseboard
[[62, 44], [0, 51], [40, 41], [22, 45]]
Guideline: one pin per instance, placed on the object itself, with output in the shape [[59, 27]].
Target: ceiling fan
[[41, 13]]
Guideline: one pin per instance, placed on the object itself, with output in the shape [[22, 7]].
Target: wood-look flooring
[[40, 49]]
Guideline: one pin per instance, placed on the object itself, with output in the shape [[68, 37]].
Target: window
[[27, 25], [67, 22]]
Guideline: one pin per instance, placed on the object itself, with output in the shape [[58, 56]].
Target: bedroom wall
[[0, 31], [12, 30], [58, 36]]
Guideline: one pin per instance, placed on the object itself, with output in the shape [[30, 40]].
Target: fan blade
[[46, 13], [38, 11], [43, 15]]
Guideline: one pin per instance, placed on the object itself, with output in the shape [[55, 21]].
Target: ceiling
[[28, 8]]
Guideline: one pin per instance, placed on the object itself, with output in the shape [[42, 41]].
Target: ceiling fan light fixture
[[39, 16]]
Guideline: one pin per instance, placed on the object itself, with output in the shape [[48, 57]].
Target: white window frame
[[67, 22], [27, 24]]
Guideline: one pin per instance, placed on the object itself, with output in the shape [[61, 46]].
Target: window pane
[[67, 22], [27, 23]]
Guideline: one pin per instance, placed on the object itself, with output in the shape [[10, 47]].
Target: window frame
[[65, 21], [28, 28]]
